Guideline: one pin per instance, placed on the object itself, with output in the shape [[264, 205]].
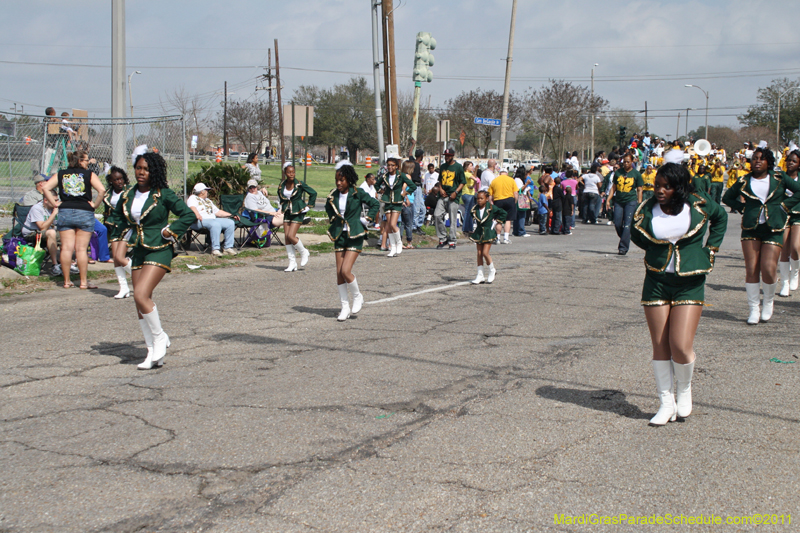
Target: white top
[[254, 170], [519, 183], [760, 189], [486, 179], [575, 163], [390, 178], [591, 182], [342, 208], [258, 202], [369, 189], [287, 193], [480, 212], [138, 204], [671, 228], [38, 213], [429, 180], [204, 206], [115, 198]]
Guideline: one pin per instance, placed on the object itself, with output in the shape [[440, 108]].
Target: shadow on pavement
[[128, 354], [246, 338], [326, 312], [612, 401], [721, 315]]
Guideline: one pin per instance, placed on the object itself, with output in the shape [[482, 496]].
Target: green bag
[[30, 258]]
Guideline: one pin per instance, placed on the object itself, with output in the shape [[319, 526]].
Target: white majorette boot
[[668, 410], [304, 254], [345, 314], [769, 298], [492, 273], [148, 341], [124, 291], [479, 278], [358, 298], [398, 241], [753, 296], [794, 274], [392, 245], [783, 268], [292, 261], [160, 338], [127, 267], [683, 387]]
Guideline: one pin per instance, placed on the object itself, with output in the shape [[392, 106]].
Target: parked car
[[534, 163]]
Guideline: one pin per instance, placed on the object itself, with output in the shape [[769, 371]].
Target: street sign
[[302, 115], [442, 131], [487, 121], [194, 141]]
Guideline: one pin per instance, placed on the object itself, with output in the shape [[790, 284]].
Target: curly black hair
[[118, 170], [349, 173], [252, 156], [766, 154], [680, 181], [157, 168]]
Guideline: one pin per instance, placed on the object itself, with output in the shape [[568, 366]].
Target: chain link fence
[[32, 145]]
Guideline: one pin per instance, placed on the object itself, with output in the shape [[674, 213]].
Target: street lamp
[[593, 110], [705, 93], [778, 127], [130, 100]]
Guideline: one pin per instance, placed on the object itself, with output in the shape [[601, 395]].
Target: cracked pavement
[[488, 408]]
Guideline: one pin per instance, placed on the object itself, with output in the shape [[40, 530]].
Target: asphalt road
[[488, 408]]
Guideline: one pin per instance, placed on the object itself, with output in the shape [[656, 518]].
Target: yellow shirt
[[717, 174], [502, 187], [469, 188], [649, 177]]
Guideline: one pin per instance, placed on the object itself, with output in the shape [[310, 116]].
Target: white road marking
[[443, 287]]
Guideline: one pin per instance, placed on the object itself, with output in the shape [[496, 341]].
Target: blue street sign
[[487, 121]]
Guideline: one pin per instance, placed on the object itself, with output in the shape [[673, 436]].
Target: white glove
[[364, 221], [167, 236]]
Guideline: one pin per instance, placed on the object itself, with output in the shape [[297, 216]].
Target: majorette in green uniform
[[485, 215], [347, 231], [393, 186], [294, 211], [763, 222], [789, 262], [671, 228]]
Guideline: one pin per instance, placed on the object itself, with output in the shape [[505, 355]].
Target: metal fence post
[[10, 171], [185, 153]]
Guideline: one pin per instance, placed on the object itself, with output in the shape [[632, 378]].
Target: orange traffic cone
[[28, 139], [308, 159], [369, 162], [219, 156]]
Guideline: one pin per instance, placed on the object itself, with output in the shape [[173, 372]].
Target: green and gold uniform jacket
[[484, 226], [796, 209], [775, 209], [702, 182], [294, 204], [625, 185], [691, 257], [394, 195], [110, 214], [155, 217], [356, 198], [450, 177]]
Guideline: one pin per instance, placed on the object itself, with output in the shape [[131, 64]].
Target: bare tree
[[195, 112], [249, 122], [426, 128], [559, 110], [467, 106]]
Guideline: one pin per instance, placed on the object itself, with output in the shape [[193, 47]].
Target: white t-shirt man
[[38, 213], [486, 179], [204, 206], [429, 180], [591, 182]]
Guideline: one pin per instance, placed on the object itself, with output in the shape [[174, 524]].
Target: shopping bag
[[30, 258]]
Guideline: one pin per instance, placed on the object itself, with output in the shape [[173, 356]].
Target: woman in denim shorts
[[75, 211]]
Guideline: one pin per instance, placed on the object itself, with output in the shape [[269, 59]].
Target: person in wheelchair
[[257, 204]]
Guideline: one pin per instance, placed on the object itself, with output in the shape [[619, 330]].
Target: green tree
[[765, 112], [607, 126]]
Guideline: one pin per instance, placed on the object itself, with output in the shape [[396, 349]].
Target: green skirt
[[161, 258], [297, 218], [671, 289], [763, 233], [344, 243], [794, 219], [388, 208]]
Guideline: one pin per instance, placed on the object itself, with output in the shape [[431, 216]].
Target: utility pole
[[117, 82], [504, 118], [686, 129], [225, 124], [377, 79], [386, 77], [593, 112], [280, 108], [391, 96], [645, 116], [268, 76], [678, 128]]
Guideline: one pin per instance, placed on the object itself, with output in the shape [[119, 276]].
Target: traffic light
[[423, 58], [622, 135]]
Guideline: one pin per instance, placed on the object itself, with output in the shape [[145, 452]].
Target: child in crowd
[[485, 217], [557, 207], [544, 211], [407, 217], [568, 208]]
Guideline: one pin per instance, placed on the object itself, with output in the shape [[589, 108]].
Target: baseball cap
[[604, 161], [449, 151], [200, 187], [252, 183], [38, 178]]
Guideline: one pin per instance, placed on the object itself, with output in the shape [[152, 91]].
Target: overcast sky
[[646, 50]]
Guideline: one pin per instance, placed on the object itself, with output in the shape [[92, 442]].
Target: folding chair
[[234, 204], [193, 237], [254, 234]]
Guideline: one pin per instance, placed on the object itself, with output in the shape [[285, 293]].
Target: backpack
[[10, 245]]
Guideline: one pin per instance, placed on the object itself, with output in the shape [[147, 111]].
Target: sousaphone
[[702, 147]]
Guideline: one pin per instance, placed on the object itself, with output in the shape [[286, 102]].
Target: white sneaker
[[506, 241], [230, 251], [609, 223], [216, 253], [56, 270], [73, 269]]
